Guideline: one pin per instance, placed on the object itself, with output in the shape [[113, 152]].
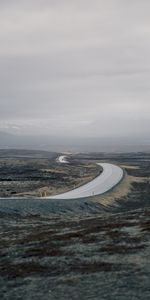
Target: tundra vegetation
[[37, 173], [87, 249]]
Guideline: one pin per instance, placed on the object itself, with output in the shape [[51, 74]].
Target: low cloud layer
[[78, 68]]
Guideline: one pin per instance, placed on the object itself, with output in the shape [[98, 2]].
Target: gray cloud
[[75, 67]]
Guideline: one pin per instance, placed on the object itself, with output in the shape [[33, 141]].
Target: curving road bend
[[62, 159], [108, 179]]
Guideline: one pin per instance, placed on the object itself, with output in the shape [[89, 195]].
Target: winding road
[[62, 159], [109, 178]]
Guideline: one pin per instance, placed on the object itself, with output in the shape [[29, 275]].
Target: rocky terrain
[[97, 248]]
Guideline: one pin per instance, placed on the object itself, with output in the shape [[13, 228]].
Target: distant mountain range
[[73, 144]]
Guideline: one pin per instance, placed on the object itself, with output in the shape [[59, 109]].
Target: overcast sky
[[75, 67]]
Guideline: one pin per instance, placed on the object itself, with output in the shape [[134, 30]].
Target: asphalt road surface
[[109, 178]]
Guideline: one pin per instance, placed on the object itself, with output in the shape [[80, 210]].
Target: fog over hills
[[73, 144]]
